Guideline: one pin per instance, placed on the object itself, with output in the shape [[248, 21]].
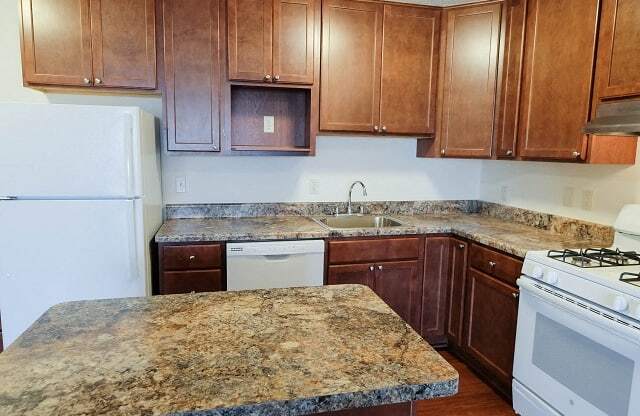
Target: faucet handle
[[337, 209], [361, 209]]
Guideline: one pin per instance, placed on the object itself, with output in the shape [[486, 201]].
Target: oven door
[[574, 358]]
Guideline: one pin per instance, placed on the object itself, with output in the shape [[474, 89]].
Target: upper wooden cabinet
[[559, 59], [469, 80], [271, 40], [385, 59], [350, 65], [618, 67], [192, 86], [410, 47], [100, 43]]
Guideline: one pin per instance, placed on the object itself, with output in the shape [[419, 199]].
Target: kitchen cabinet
[[392, 267], [191, 268], [384, 58], [490, 328], [271, 41], [192, 87], [469, 80], [455, 292], [617, 74], [90, 43], [559, 57], [434, 289]]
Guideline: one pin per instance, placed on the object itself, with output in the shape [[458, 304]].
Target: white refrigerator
[[80, 202]]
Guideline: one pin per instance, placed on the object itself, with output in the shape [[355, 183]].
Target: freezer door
[[58, 251], [66, 151]]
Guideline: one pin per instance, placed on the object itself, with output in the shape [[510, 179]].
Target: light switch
[[269, 124]]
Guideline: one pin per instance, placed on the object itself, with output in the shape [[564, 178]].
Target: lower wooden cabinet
[[392, 267], [191, 268]]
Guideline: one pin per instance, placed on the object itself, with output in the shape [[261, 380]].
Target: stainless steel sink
[[358, 221]]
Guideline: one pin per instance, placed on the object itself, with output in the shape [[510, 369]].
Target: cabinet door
[[397, 284], [558, 72], [350, 65], [250, 31], [511, 82], [434, 289], [490, 329], [56, 42], [469, 81], [192, 71], [619, 50], [455, 293], [409, 70], [293, 40], [124, 43], [351, 274]]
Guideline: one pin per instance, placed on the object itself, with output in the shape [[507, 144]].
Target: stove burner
[[631, 278], [596, 257]]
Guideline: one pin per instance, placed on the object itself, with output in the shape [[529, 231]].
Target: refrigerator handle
[[8, 198]]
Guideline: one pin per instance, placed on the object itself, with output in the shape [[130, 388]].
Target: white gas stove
[[578, 336]]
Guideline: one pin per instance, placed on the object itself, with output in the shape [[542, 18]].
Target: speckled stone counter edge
[[569, 227], [337, 402]]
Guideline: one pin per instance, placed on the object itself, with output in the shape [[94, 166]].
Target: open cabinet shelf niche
[[270, 119]]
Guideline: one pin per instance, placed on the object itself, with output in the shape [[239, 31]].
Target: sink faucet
[[364, 193]]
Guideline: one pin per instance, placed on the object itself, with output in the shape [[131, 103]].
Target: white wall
[[389, 167], [548, 187]]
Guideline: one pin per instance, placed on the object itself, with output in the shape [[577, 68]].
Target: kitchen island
[[271, 352]]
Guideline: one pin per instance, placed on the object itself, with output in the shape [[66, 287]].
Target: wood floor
[[473, 399]]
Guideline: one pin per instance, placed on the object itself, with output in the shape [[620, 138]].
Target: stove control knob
[[620, 304], [537, 272], [550, 278]]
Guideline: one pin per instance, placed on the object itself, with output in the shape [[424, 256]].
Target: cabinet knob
[[509, 152], [267, 78], [276, 78], [461, 246], [192, 258], [577, 154], [492, 264], [443, 152], [379, 267], [515, 295], [376, 128], [87, 81], [384, 129], [371, 268], [97, 81]]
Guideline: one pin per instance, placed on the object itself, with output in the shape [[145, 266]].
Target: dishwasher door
[[275, 264]]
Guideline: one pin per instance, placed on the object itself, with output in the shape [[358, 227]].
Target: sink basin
[[358, 221]]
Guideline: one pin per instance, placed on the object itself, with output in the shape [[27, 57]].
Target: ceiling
[[437, 2]]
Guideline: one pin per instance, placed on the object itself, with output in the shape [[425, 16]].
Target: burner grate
[[631, 278], [596, 257]]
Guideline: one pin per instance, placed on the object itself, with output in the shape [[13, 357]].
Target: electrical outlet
[[314, 187], [587, 199], [269, 124], [568, 196], [504, 193], [181, 184]]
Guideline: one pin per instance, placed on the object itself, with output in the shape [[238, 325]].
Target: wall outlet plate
[[269, 124], [181, 185]]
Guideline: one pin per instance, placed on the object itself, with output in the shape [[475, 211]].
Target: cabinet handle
[[276, 78], [492, 264], [371, 268], [515, 295], [192, 258], [376, 128], [267, 78], [461, 246], [379, 267], [98, 81], [87, 81], [384, 129]]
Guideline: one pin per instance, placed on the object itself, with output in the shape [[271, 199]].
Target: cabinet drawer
[[192, 281], [495, 264], [363, 251], [192, 257]]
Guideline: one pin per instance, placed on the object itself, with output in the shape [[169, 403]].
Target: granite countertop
[[269, 352], [501, 234]]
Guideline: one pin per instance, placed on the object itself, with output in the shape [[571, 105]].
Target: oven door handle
[[628, 332]]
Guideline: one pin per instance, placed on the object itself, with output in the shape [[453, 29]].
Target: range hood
[[621, 118]]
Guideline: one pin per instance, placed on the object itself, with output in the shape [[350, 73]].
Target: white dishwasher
[[275, 264]]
